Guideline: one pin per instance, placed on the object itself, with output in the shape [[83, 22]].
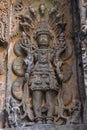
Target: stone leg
[[50, 103], [37, 103]]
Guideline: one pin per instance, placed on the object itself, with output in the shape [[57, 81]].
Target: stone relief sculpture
[[84, 9], [4, 16], [41, 56], [44, 82], [83, 37], [13, 111]]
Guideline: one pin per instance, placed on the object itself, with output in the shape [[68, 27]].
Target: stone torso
[[43, 74]]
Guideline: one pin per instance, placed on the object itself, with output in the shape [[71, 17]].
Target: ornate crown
[[42, 28]]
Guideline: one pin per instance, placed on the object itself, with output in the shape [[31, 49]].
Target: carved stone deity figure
[[13, 113], [43, 71]]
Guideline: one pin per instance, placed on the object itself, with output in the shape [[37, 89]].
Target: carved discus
[[19, 66], [17, 88]]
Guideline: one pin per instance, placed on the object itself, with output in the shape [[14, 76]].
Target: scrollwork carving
[[17, 49], [18, 66], [17, 88], [42, 67]]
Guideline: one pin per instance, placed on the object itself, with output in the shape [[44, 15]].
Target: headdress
[[42, 28]]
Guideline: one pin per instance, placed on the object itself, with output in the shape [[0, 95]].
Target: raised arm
[[58, 64], [29, 64], [59, 48], [26, 45]]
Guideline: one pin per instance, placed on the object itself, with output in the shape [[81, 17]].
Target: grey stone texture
[[53, 127], [85, 112]]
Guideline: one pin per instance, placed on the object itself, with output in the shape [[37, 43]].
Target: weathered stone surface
[[22, 26], [85, 112], [42, 52], [53, 127]]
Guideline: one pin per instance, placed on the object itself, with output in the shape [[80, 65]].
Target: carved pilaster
[[83, 36], [4, 39], [4, 19]]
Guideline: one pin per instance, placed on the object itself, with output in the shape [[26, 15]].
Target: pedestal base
[[53, 127]]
